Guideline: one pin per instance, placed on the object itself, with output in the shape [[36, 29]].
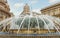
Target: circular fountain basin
[[33, 31]]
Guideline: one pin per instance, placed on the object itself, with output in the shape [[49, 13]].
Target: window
[[2, 7]]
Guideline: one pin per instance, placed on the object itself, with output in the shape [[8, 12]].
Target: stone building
[[26, 10], [53, 10], [4, 10]]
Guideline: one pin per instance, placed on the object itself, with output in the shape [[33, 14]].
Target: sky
[[16, 6]]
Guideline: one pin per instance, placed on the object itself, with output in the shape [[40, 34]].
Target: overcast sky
[[16, 6]]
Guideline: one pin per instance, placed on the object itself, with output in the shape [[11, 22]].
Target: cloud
[[36, 10], [34, 1], [53, 1], [18, 5]]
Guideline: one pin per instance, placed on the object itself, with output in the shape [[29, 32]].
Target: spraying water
[[35, 24]]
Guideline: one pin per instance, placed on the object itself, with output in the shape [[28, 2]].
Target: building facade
[[53, 10], [4, 10]]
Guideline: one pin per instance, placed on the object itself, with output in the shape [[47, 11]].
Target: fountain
[[29, 25]]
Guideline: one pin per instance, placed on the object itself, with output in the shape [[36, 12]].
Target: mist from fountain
[[48, 22]]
